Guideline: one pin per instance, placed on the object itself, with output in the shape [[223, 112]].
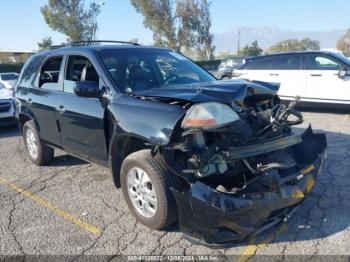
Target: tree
[[196, 23], [343, 43], [252, 50], [295, 45], [45, 43], [160, 17], [72, 19]]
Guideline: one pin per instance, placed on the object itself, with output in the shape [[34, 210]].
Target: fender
[[150, 121]]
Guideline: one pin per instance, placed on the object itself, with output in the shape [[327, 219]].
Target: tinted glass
[[258, 64], [136, 70], [29, 71], [79, 68], [320, 62], [286, 62], [7, 77], [340, 56], [50, 72]]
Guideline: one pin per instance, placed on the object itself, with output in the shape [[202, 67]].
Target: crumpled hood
[[215, 91], [5, 93]]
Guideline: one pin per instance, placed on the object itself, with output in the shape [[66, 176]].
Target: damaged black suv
[[217, 157]]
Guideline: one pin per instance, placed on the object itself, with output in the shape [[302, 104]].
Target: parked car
[[8, 80], [319, 78], [226, 68], [7, 110], [217, 157]]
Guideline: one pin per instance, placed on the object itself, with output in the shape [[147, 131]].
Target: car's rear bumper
[[8, 121], [218, 219], [7, 113]]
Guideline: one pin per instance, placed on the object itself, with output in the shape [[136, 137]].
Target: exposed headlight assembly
[[209, 115]]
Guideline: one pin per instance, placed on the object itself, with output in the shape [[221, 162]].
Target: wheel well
[[121, 148], [22, 120]]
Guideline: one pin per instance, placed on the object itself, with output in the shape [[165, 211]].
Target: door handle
[[61, 109], [316, 75], [30, 101], [274, 74]]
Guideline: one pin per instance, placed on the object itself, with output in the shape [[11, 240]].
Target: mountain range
[[267, 36]]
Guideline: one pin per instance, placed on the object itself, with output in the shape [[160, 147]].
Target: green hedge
[[10, 68]]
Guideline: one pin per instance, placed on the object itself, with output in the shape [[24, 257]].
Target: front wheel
[[225, 78], [146, 191]]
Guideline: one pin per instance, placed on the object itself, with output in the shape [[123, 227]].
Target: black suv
[[219, 157]]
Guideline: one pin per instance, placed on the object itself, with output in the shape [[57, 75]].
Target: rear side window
[[286, 62], [7, 77], [29, 71], [258, 64], [79, 68], [49, 73]]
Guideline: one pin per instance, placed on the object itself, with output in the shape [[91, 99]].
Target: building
[[14, 57]]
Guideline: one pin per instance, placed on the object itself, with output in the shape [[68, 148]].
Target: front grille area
[[5, 107]]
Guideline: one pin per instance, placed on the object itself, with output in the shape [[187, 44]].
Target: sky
[[23, 26]]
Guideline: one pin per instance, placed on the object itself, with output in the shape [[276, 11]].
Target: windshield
[[7, 77], [342, 58], [137, 70]]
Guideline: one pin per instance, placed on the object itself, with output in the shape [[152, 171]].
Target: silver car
[[7, 109], [8, 80], [227, 66]]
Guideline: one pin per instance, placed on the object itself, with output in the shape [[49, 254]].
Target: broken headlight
[[209, 115]]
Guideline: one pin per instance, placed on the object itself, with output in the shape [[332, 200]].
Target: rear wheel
[[39, 153], [146, 191]]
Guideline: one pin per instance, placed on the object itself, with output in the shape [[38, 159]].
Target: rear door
[[323, 83], [256, 69], [81, 119], [286, 70], [39, 97]]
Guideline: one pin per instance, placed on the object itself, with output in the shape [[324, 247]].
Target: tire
[[45, 153], [225, 78], [166, 211]]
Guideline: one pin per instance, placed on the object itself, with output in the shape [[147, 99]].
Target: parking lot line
[[43, 202], [252, 248]]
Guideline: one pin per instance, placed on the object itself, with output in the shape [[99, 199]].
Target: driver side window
[[79, 68], [320, 62]]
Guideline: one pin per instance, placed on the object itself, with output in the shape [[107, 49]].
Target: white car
[[7, 109], [8, 80], [318, 78]]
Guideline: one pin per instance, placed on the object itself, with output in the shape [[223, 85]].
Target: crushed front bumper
[[220, 219]]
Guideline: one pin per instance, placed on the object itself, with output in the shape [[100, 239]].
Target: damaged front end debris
[[241, 170]]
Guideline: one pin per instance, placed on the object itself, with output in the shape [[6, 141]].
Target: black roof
[[97, 46]]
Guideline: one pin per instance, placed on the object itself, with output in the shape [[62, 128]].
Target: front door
[[323, 83], [81, 119]]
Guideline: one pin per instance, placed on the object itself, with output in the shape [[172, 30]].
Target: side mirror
[[343, 72], [87, 89]]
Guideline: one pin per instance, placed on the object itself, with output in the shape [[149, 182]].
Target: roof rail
[[92, 42]]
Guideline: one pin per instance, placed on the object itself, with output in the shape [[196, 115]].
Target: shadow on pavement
[[68, 160], [6, 132]]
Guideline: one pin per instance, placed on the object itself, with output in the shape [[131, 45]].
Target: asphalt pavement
[[72, 208]]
